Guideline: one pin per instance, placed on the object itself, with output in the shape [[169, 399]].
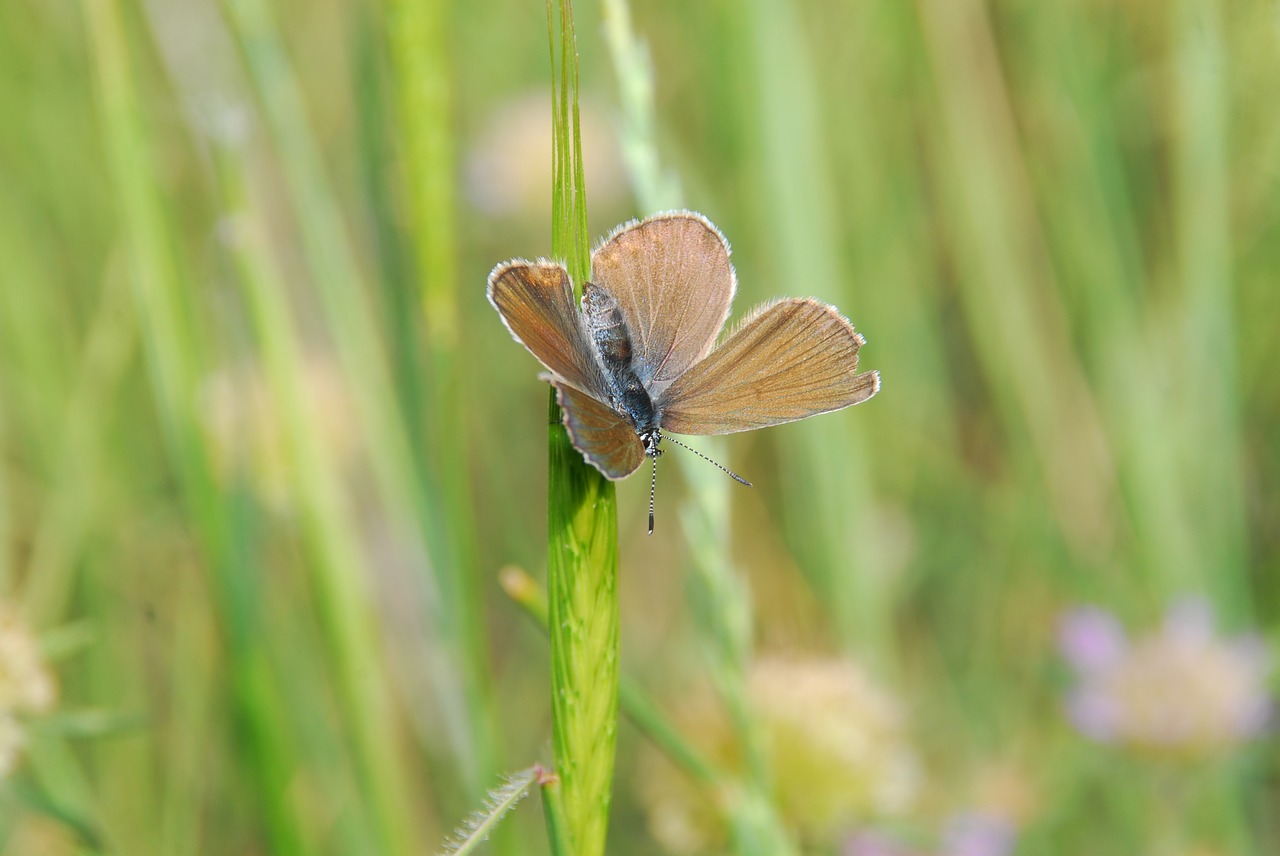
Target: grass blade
[[482, 822]]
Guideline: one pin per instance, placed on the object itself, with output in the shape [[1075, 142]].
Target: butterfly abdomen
[[612, 338], [608, 328]]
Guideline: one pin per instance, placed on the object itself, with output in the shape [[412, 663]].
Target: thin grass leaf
[[654, 188], [725, 617], [67, 640], [480, 823], [418, 38], [83, 724], [325, 515], [1202, 219], [172, 347], [39, 802], [108, 349], [825, 469], [1009, 292]]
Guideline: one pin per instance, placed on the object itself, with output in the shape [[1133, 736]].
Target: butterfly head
[[651, 439]]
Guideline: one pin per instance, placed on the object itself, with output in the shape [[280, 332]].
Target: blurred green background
[[264, 446]]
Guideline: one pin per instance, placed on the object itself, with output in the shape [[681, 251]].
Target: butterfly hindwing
[[535, 300], [787, 360], [602, 436], [671, 276]]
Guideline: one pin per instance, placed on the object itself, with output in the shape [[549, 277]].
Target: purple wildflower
[[977, 834], [973, 833], [1180, 691], [866, 843]]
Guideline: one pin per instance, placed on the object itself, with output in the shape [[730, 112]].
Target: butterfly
[[639, 358]]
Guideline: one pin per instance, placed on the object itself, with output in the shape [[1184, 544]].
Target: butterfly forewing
[[788, 360], [672, 279], [604, 439], [536, 302]]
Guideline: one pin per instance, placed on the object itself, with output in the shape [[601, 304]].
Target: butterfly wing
[[535, 300], [607, 442], [787, 360], [672, 279]]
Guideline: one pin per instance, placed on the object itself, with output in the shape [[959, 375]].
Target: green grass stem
[[111, 342], [655, 189], [1206, 332], [722, 600], [354, 322], [799, 213], [582, 512], [327, 529], [582, 582], [558, 833], [634, 702], [1008, 290], [420, 40], [1096, 228], [169, 344]]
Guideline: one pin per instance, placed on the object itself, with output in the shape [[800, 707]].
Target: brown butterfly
[[639, 357]]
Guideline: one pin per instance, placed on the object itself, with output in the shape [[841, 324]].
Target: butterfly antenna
[[653, 489], [739, 479]]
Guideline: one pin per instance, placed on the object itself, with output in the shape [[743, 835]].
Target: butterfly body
[[639, 360], [612, 339]]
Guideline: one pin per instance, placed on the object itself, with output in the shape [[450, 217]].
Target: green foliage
[[263, 445]]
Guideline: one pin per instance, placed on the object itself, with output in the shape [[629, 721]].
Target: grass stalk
[[414, 503], [634, 702], [1008, 289], [723, 609], [1202, 223], [1095, 218], [582, 548], [419, 39], [327, 526], [553, 811], [171, 354], [7, 579], [655, 189], [66, 791], [827, 463], [110, 344], [722, 598], [582, 584]]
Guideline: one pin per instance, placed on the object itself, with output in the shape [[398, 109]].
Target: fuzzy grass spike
[[476, 828]]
